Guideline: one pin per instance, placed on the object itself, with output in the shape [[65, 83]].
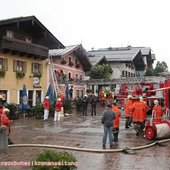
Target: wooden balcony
[[23, 48]]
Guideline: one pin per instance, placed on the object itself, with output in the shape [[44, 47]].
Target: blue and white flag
[[50, 93], [25, 105], [67, 93]]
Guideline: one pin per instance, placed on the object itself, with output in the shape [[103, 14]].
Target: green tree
[[100, 72], [150, 72], [160, 67]]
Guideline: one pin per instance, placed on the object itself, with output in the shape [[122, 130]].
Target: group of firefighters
[[136, 112]]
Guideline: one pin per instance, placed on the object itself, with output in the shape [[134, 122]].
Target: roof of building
[[64, 51], [119, 53], [32, 24], [80, 53], [123, 54], [100, 60]]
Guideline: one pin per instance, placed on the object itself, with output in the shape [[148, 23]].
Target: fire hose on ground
[[126, 149], [129, 150]]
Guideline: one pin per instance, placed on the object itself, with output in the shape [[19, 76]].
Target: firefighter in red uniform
[[128, 111], [46, 106], [157, 112], [57, 112], [146, 108], [139, 116], [6, 122], [116, 121]]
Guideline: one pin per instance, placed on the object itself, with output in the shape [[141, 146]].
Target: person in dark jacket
[[94, 100], [107, 121], [85, 104]]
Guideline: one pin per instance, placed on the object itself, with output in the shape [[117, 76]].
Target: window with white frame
[[37, 68], [77, 93], [77, 76], [19, 65], [76, 61], [69, 59], [69, 76]]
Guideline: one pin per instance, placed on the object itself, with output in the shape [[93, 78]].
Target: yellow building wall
[[11, 83]]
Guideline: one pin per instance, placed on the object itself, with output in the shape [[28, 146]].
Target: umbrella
[[50, 93], [67, 96], [25, 105]]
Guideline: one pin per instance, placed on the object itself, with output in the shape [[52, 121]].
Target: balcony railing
[[23, 47], [128, 80]]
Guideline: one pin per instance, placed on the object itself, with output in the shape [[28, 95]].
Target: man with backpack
[[85, 105]]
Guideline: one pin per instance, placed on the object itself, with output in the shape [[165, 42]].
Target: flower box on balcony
[[71, 79], [37, 74], [63, 61], [77, 65], [2, 72], [70, 64], [20, 74]]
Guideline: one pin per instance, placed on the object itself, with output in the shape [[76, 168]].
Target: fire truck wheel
[[150, 133]]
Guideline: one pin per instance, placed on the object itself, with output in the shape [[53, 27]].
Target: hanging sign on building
[[36, 80]]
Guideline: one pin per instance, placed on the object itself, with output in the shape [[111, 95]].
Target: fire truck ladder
[[54, 77]]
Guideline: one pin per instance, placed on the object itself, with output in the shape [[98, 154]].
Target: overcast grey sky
[[101, 23]]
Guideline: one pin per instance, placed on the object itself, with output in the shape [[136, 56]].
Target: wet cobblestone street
[[84, 132]]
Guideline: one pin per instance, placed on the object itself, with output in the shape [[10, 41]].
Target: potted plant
[[48, 156], [38, 110], [63, 61], [71, 79], [37, 74], [2, 72], [67, 106], [15, 111], [20, 74], [78, 104]]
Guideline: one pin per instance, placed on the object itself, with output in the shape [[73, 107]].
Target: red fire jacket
[[158, 113], [58, 106], [138, 112], [46, 104], [128, 108], [116, 121]]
